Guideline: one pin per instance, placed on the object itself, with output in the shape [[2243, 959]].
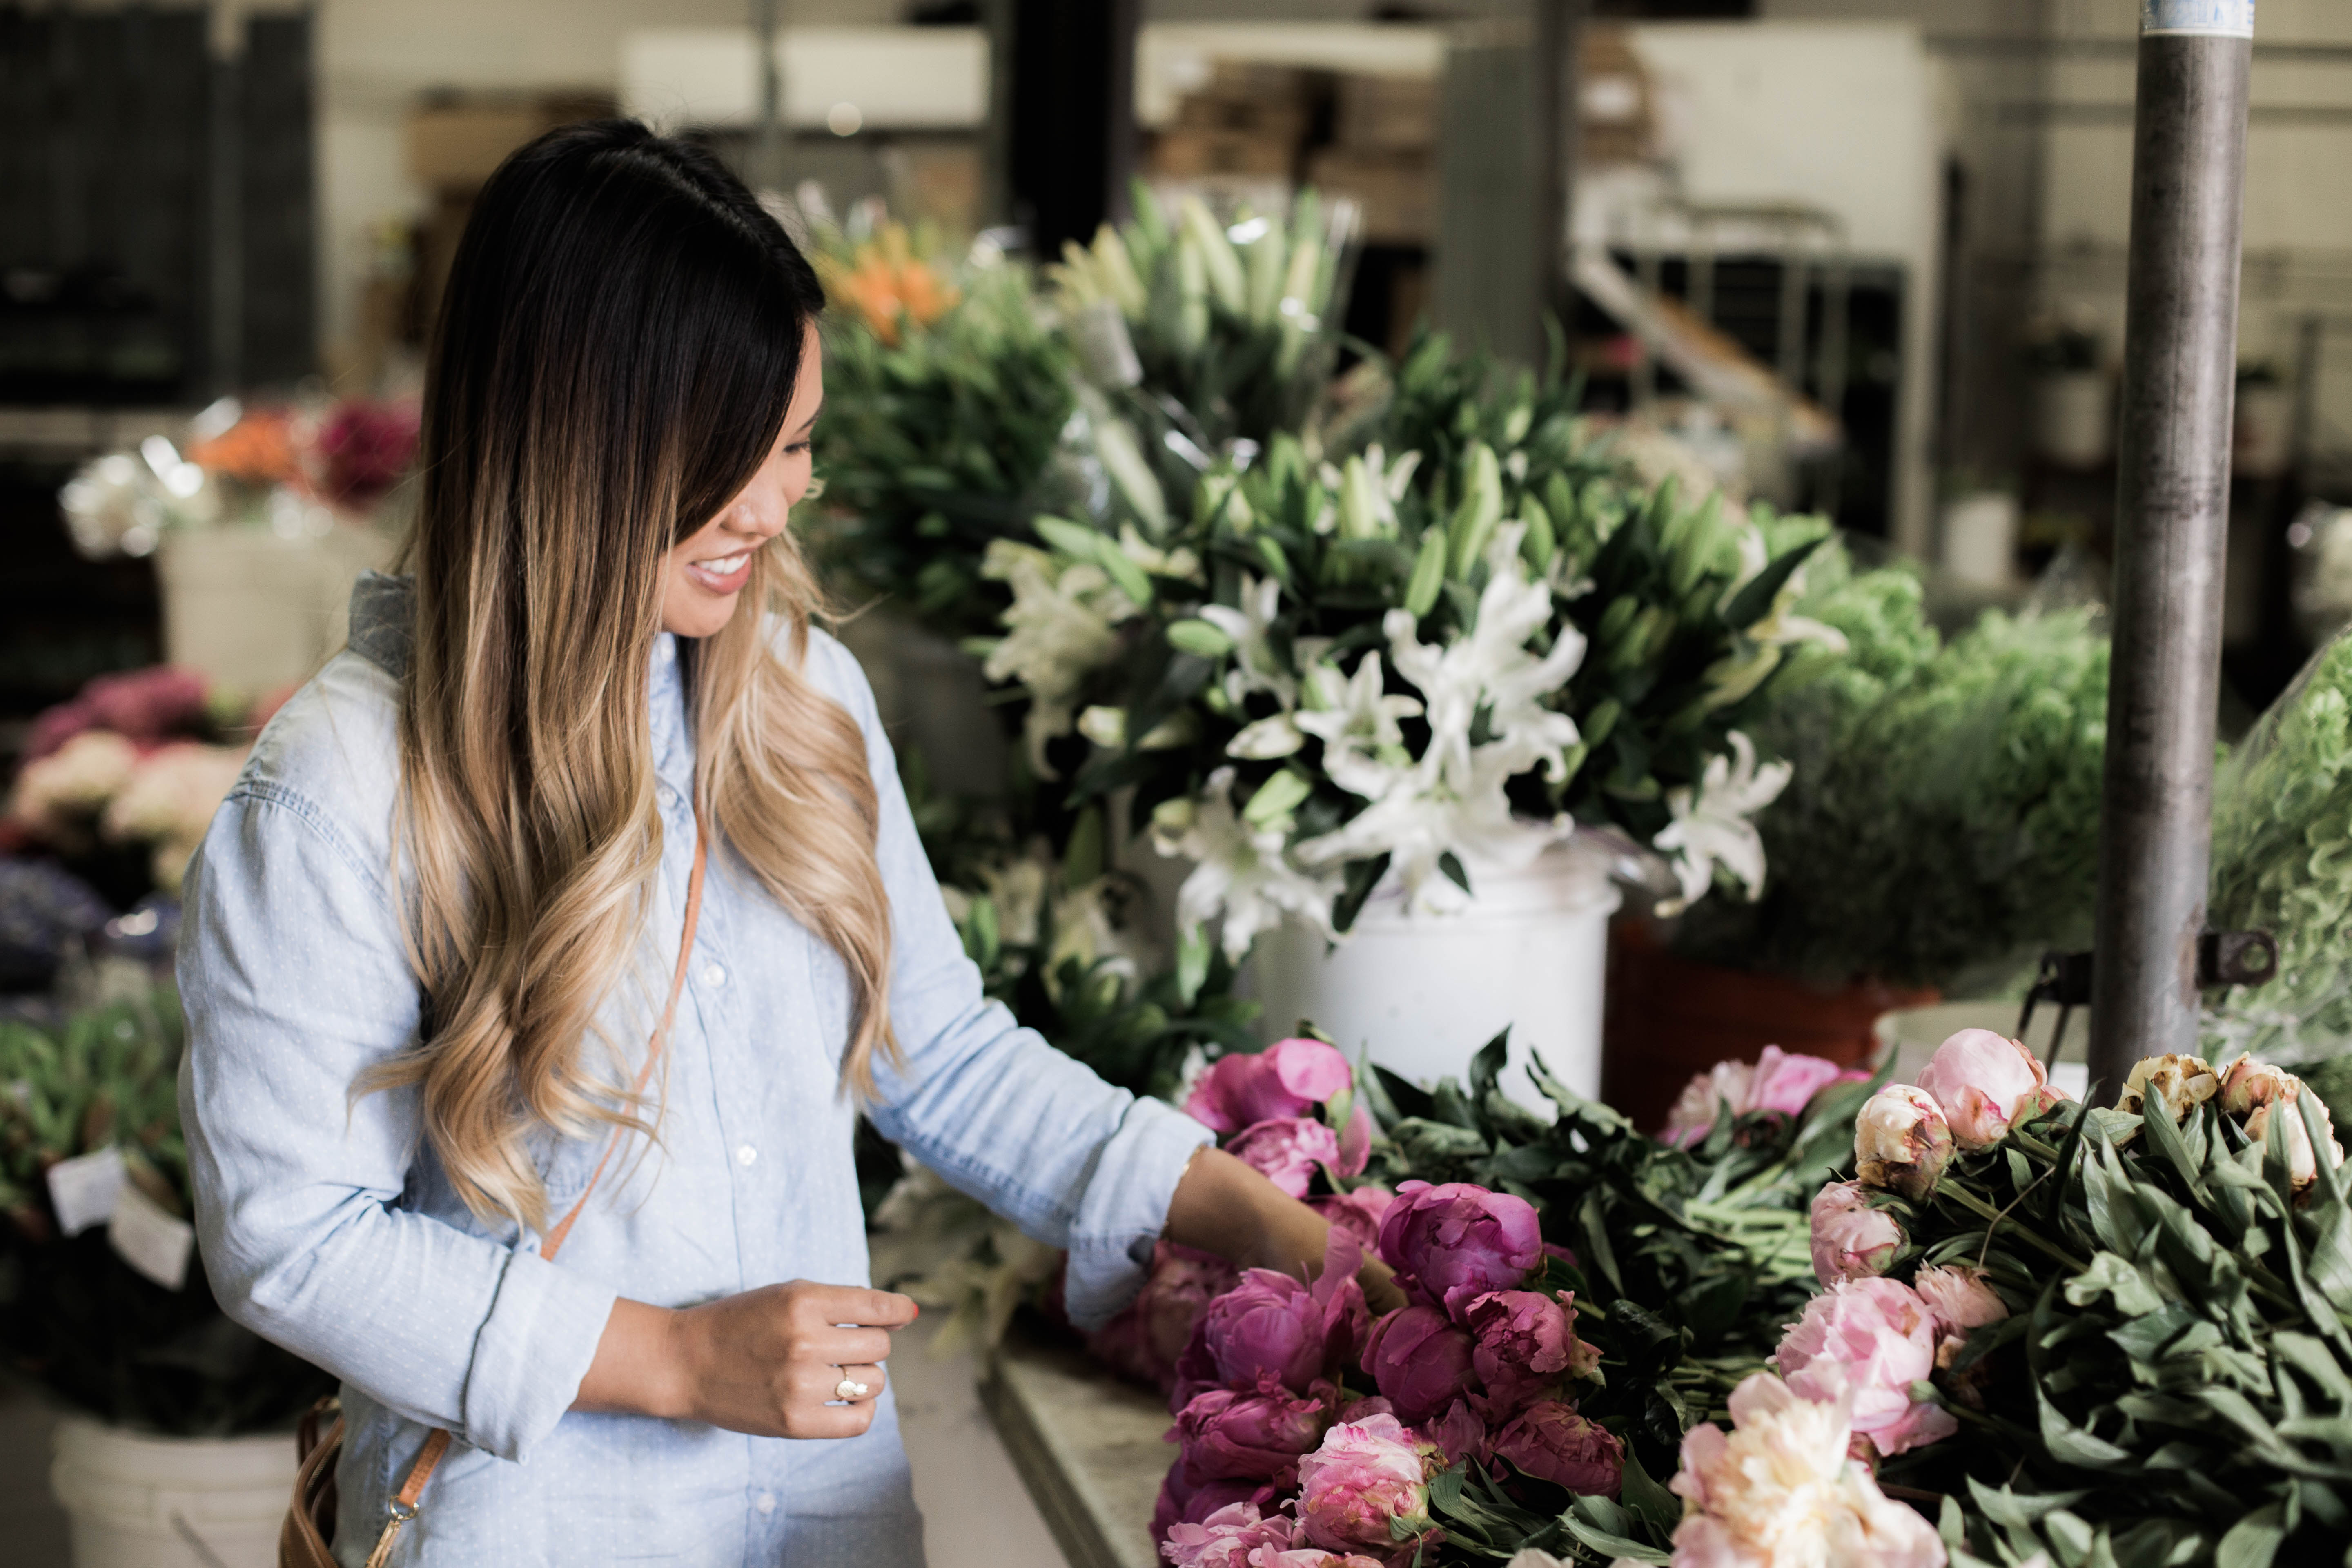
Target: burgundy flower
[[1287, 1149], [1144, 1342], [1551, 1442], [1259, 1435], [1270, 1323], [1289, 1078], [1421, 1361], [1357, 1212], [1459, 1431], [1523, 1340], [1449, 1244]]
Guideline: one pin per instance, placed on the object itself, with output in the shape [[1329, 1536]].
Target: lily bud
[[1901, 1142]]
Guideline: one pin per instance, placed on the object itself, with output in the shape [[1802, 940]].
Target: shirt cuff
[[1125, 1208], [531, 1354]]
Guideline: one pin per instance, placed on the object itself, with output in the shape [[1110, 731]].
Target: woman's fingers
[[852, 1304], [858, 1383], [839, 1347]]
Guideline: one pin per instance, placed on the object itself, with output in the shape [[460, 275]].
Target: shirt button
[[765, 1502], [746, 1156], [667, 649], [713, 975]]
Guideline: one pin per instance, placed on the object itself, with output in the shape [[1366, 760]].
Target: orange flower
[[258, 447], [886, 284]]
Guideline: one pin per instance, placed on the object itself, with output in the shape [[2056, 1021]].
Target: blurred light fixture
[[843, 120]]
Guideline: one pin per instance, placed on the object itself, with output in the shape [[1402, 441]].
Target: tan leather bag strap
[[302, 1543]]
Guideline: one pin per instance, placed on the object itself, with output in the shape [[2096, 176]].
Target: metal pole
[[2172, 519], [1552, 109], [767, 141]]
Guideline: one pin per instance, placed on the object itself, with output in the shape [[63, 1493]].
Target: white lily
[[1712, 828], [1256, 668], [1057, 632], [1357, 720], [1240, 871], [1429, 810]]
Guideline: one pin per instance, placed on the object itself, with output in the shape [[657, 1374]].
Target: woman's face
[[704, 574]]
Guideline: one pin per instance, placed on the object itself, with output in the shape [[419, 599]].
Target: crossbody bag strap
[[402, 1506]]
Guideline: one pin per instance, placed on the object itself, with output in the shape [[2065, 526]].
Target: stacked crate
[[1248, 121], [1383, 145]]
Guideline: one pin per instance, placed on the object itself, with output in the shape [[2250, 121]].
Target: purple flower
[[1449, 1244], [1252, 1437], [1289, 1078], [1144, 1342], [1421, 1361], [1270, 1323], [1551, 1442], [1287, 1149], [1524, 1341]]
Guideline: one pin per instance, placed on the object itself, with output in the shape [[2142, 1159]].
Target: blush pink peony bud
[[1287, 1150], [1781, 1081], [1786, 1082], [1901, 1141], [1420, 1361], [1961, 1300], [1552, 1443], [1871, 1339], [1226, 1434], [1852, 1240], [1525, 1342], [1704, 1098], [1289, 1078], [2258, 1091], [1144, 1342], [1235, 1536], [1365, 1475], [1984, 1083], [1448, 1243], [2180, 1082]]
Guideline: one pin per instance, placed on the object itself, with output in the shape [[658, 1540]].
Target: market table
[[1088, 1448]]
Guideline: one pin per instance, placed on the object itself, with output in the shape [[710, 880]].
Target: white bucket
[[1422, 993], [248, 608], [141, 1501]]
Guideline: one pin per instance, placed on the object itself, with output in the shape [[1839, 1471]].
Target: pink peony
[[1357, 1212], [1144, 1342], [1458, 1434], [1873, 1339], [1366, 1474], [2257, 1092], [1850, 1239], [1310, 1557], [147, 705], [1956, 1293], [1552, 1443], [1449, 1244], [1289, 1078], [1252, 1437], [1781, 1081], [1270, 1323], [1287, 1150], [1901, 1142], [1183, 1501], [1984, 1083], [1526, 1344], [1703, 1098], [1229, 1538], [1420, 1361], [1781, 1489]]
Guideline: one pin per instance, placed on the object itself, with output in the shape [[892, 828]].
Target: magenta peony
[[1459, 1433], [1289, 1078], [1525, 1345], [1252, 1437], [1449, 1244], [1233, 1537], [1551, 1442], [1365, 1475], [1901, 1142], [1270, 1323], [1871, 1339], [1144, 1342], [1984, 1083], [1357, 1212], [1850, 1239], [1287, 1150], [1420, 1361]]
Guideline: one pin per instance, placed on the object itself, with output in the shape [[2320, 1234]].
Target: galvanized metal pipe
[[2171, 519]]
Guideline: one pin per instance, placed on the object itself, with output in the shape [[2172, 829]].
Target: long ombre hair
[[619, 341]]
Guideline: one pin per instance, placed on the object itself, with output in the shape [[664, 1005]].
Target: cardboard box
[[1386, 113], [1616, 120], [1183, 153], [1398, 191], [455, 143]]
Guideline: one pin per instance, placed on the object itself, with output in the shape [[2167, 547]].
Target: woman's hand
[[769, 1361], [1223, 1207]]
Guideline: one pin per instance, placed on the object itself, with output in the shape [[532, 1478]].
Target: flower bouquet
[[102, 1300]]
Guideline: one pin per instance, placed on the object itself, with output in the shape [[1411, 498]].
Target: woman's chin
[[700, 615]]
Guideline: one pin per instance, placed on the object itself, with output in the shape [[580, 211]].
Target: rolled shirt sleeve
[[294, 982], [1032, 1132]]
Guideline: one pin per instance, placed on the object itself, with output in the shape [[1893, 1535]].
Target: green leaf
[[1204, 640], [1617, 1547], [2253, 1541], [1450, 865], [1754, 599], [2136, 1295], [1192, 956], [1428, 575], [1649, 1502], [1360, 878], [1276, 797]]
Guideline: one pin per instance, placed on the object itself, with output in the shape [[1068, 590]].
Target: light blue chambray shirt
[[328, 1226]]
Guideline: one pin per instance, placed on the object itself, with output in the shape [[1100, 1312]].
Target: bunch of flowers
[[1326, 677], [116, 1319]]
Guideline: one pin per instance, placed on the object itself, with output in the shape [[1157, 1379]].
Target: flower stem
[[1993, 1217]]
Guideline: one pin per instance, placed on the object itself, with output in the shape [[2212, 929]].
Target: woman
[[432, 936]]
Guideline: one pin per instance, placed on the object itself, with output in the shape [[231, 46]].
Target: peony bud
[[1235, 1536], [1524, 1342], [1252, 1437], [1365, 1475], [1357, 1212], [1956, 1293], [1144, 1342], [1289, 1078], [1852, 1240], [1901, 1141], [2257, 1092], [1420, 1361], [1787, 1081], [1984, 1083], [2182, 1083], [1287, 1150], [1551, 1442], [1450, 1243], [1872, 1340]]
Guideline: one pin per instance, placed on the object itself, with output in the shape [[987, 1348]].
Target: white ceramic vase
[[136, 1500], [1422, 993]]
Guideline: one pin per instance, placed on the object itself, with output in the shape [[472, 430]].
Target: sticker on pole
[[2197, 19]]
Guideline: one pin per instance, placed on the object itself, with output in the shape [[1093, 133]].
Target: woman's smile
[[720, 574]]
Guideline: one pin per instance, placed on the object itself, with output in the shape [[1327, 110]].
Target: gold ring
[[849, 1388]]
